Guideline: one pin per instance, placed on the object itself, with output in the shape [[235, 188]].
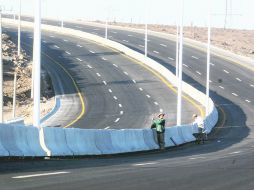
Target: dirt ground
[[240, 42], [22, 66]]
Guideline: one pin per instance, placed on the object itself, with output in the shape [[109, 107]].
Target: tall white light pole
[[179, 94], [19, 28], [1, 71], [208, 56], [14, 95], [106, 28], [37, 63], [177, 48], [146, 28]]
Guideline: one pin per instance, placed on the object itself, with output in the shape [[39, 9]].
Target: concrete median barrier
[[55, 141], [82, 141]]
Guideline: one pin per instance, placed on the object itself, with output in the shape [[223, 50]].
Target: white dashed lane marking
[[134, 81], [39, 175], [144, 164], [120, 105], [115, 97], [125, 41], [235, 94], [212, 64], [141, 89], [129, 35], [79, 59], [236, 152], [115, 65], [44, 41], [68, 52], [56, 46], [98, 74], [51, 36], [225, 71], [221, 87], [156, 52], [172, 59], [163, 45], [110, 90], [79, 45], [239, 79], [186, 65], [103, 58], [65, 40], [198, 73], [252, 85], [141, 46], [161, 110], [107, 127], [121, 112], [91, 51], [248, 101], [148, 96], [117, 120], [156, 103], [114, 32], [104, 82], [89, 66], [125, 73], [194, 57]]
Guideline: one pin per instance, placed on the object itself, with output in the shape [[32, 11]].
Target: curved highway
[[224, 162]]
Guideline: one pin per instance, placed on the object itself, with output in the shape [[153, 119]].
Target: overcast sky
[[240, 12]]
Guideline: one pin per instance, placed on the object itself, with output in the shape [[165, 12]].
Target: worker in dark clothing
[[159, 125]]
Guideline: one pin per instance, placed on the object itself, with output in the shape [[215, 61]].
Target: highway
[[117, 91], [224, 162]]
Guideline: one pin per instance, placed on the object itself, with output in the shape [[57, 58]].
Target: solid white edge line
[[39, 175]]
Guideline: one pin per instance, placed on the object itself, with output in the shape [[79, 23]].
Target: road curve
[[224, 162], [118, 92]]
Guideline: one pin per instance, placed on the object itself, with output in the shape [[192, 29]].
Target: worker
[[159, 125], [201, 129]]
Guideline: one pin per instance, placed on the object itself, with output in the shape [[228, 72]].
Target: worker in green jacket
[[159, 125]]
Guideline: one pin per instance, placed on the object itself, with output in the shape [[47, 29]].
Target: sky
[[240, 12]]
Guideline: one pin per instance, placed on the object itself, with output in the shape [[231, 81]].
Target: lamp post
[[1, 71], [179, 93], [208, 56], [37, 63], [19, 28]]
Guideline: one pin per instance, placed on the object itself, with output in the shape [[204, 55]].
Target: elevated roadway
[[224, 162]]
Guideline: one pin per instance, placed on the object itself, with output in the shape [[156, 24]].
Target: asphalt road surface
[[224, 162]]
